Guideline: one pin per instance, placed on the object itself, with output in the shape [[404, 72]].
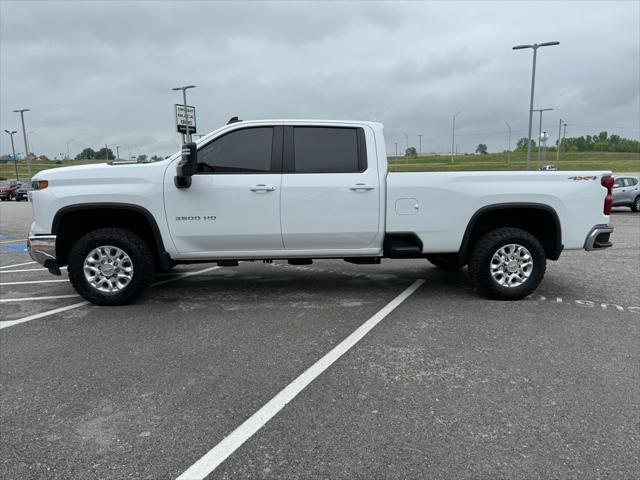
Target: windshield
[[5, 183]]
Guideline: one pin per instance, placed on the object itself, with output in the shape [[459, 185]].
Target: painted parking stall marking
[[10, 323], [218, 454]]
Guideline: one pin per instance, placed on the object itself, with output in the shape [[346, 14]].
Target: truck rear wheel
[[507, 263], [110, 266], [445, 261]]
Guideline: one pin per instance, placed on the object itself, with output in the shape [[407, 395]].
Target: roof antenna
[[233, 120]]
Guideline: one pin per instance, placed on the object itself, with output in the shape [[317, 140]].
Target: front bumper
[[42, 248], [599, 238]]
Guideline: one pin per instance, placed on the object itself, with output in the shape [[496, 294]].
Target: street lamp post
[[396, 149], [509, 149], [453, 136], [419, 144], [24, 135], [13, 149], [186, 115], [559, 142], [540, 129], [535, 47], [117, 152]]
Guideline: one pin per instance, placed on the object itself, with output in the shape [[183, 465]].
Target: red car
[[8, 189]]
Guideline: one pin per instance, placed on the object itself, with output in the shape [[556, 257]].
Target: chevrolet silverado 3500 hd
[[300, 190]]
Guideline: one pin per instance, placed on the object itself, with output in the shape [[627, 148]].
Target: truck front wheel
[[507, 263], [110, 266]]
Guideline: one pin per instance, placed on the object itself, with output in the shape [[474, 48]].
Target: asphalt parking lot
[[446, 385]]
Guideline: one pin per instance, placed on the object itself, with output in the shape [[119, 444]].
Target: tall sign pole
[[188, 129]]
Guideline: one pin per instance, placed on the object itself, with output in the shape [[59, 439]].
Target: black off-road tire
[[635, 206], [138, 251], [480, 263], [445, 261]]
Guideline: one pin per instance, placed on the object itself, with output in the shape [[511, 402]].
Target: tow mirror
[[187, 166]]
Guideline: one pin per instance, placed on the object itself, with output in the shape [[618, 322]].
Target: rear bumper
[[599, 238], [42, 248]]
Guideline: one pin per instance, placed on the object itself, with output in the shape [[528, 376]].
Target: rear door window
[[328, 150]]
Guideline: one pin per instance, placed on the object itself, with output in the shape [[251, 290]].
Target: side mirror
[[187, 166]]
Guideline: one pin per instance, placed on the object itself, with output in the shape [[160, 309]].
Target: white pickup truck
[[299, 190]]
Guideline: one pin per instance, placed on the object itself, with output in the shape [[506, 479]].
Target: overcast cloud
[[102, 72]]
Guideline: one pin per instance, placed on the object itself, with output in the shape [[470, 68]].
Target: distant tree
[[522, 144], [43, 158], [142, 158], [482, 148], [104, 154], [86, 154], [156, 158], [602, 142], [411, 152]]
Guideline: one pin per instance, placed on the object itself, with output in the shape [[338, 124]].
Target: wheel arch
[[540, 220], [73, 221]]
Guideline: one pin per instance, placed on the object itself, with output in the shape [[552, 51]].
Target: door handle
[[261, 187], [361, 186]]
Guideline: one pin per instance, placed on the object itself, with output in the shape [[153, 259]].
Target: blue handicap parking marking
[[19, 247]]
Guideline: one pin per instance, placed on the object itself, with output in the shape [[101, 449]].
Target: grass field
[[617, 162]]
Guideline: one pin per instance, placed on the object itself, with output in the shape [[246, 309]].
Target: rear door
[[330, 189], [233, 204]]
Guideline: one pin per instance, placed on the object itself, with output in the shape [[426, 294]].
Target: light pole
[[509, 149], [406, 138], [117, 152], [453, 136], [419, 144], [24, 135], [396, 149], [540, 129], [535, 47], [559, 141], [13, 149], [186, 115]]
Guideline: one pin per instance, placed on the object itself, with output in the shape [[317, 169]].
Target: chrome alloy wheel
[[511, 265], [108, 269]]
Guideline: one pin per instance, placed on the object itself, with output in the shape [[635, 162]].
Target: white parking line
[[29, 270], [10, 323], [16, 265], [33, 281], [218, 454], [30, 299], [14, 241]]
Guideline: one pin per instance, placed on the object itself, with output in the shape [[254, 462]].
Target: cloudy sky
[[101, 72]]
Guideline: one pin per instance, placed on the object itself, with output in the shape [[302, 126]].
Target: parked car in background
[[8, 189], [22, 193], [548, 168], [626, 192]]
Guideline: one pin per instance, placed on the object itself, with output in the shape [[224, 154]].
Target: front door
[[233, 205], [330, 193]]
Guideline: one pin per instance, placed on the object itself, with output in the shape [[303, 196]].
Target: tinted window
[[325, 150], [632, 181], [241, 151]]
